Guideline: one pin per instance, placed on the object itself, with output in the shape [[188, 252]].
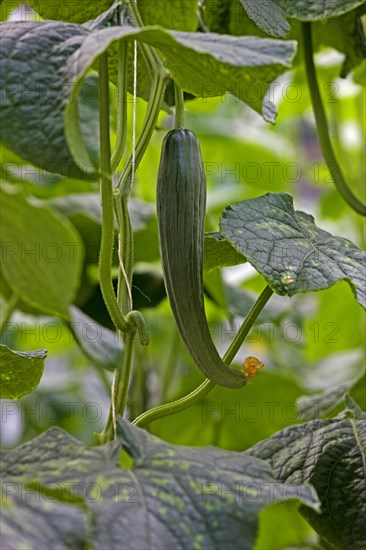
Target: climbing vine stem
[[125, 253], [322, 125], [199, 393], [119, 391], [151, 57], [151, 117], [106, 192], [121, 105]]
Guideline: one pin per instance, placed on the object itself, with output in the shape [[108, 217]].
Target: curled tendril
[[137, 319]]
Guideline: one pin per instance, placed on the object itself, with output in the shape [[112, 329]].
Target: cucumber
[[181, 206]]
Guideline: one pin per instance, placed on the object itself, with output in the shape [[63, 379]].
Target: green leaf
[[335, 328], [57, 56], [214, 288], [218, 252], [336, 376], [329, 454], [84, 211], [100, 345], [32, 108], [41, 254], [313, 10], [88, 114], [240, 24], [338, 367], [180, 15], [240, 302], [216, 15], [318, 405], [354, 411], [69, 10], [335, 24], [88, 205], [172, 497], [58, 525], [205, 65], [20, 372], [289, 250], [268, 16], [236, 302], [358, 392], [345, 34]]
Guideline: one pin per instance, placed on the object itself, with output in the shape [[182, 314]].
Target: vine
[[127, 321], [322, 126], [199, 393]]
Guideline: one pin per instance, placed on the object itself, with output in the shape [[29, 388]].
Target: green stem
[[175, 406], [108, 433], [119, 392], [106, 190], [106, 252], [121, 105], [8, 310], [322, 126], [125, 253], [179, 106], [199, 393], [247, 325], [121, 397], [151, 57], [152, 113], [124, 298]]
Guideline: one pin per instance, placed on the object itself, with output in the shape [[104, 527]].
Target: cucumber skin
[[181, 206]]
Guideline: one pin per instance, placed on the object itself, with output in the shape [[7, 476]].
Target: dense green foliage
[[112, 436]]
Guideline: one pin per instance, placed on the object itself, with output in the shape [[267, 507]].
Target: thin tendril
[[133, 167]]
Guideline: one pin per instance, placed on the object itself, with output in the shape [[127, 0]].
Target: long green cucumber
[[181, 206]]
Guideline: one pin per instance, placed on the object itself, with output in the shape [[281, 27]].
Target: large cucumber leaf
[[329, 454], [289, 250], [171, 497]]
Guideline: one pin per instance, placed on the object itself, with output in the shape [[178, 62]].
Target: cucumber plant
[[69, 74]]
